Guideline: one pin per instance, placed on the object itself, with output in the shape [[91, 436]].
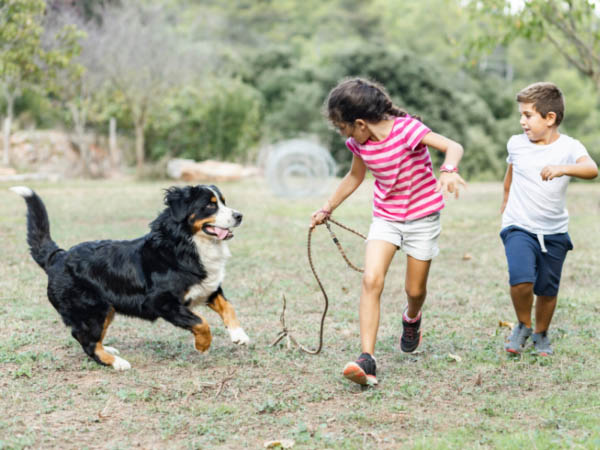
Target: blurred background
[[98, 88]]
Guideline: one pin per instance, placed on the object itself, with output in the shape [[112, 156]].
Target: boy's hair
[[546, 97], [359, 98]]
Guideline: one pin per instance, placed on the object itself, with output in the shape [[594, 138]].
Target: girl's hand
[[318, 217], [550, 172], [449, 182]]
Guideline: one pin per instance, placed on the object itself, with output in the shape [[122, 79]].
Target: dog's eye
[[211, 206]]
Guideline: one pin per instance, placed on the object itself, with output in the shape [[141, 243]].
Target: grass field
[[53, 396]]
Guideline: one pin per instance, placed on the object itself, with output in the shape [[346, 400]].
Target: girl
[[407, 202]]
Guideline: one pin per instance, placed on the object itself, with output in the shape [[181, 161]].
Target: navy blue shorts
[[528, 264]]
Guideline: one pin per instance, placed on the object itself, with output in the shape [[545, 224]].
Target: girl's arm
[[507, 183], [584, 167], [448, 181], [347, 186]]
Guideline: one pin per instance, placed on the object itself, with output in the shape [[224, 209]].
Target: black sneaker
[[411, 335], [362, 371]]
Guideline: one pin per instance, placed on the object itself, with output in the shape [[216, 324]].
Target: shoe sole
[[354, 372], [513, 351], [416, 347]]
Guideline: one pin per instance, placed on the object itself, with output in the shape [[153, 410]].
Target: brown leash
[[285, 332]]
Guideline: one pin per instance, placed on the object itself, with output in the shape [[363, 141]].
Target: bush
[[221, 121]]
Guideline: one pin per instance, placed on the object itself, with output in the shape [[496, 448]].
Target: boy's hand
[[449, 182], [550, 172]]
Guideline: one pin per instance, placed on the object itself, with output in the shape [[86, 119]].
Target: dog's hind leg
[[184, 318], [91, 341], [217, 302]]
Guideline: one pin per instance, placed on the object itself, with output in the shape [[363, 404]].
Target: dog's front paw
[[239, 336], [203, 337], [121, 364]]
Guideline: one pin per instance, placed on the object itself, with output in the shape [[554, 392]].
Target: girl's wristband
[[449, 168], [327, 213]]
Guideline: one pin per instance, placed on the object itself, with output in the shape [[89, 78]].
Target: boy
[[534, 217]]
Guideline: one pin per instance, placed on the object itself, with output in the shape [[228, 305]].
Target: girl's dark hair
[[358, 98]]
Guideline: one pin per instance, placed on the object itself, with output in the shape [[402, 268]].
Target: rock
[[209, 170], [7, 171]]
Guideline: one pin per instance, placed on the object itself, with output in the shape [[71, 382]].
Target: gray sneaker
[[518, 337], [541, 343]]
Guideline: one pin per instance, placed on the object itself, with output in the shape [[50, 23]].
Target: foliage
[[571, 26], [471, 111], [20, 31], [143, 62], [221, 121]]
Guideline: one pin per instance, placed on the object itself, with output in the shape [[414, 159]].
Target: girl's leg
[[522, 298], [417, 272], [378, 256], [544, 310]]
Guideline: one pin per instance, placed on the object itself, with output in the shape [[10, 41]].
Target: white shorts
[[417, 238]]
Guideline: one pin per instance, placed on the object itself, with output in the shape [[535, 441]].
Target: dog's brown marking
[[202, 335], [225, 310], [107, 322], [198, 224], [102, 354], [213, 199]]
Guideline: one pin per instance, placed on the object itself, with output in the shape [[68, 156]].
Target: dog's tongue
[[221, 233]]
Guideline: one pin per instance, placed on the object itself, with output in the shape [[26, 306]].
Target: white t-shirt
[[533, 204]]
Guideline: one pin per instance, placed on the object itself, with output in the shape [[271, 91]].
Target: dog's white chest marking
[[213, 256]]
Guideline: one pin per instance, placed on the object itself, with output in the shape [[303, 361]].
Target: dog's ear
[[176, 199], [216, 190]]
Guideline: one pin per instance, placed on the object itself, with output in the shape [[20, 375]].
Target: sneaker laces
[[410, 332]]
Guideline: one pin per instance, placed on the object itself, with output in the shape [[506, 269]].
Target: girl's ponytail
[[393, 110]]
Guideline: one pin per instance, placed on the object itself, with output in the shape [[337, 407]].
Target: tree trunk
[[115, 154], [6, 129], [139, 145], [79, 119]]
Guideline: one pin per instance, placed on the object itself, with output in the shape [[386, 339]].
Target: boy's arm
[[507, 183], [584, 167]]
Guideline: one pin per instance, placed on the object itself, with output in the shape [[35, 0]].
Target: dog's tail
[[41, 245]]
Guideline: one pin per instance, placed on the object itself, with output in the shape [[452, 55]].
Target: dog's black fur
[[162, 274]]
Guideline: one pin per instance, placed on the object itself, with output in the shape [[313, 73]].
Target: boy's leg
[[544, 310], [378, 256], [522, 249], [522, 298]]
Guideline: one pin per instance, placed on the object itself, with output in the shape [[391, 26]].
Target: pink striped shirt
[[404, 180]]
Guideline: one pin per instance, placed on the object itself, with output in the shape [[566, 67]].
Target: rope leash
[[285, 332]]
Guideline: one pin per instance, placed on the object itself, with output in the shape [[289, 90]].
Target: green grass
[[53, 396]]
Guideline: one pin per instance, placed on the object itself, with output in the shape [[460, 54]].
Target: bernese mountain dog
[[179, 264]]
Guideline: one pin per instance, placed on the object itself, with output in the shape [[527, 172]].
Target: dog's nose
[[238, 217]]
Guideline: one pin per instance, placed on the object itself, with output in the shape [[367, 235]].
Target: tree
[[23, 61], [571, 26], [74, 86], [142, 57]]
